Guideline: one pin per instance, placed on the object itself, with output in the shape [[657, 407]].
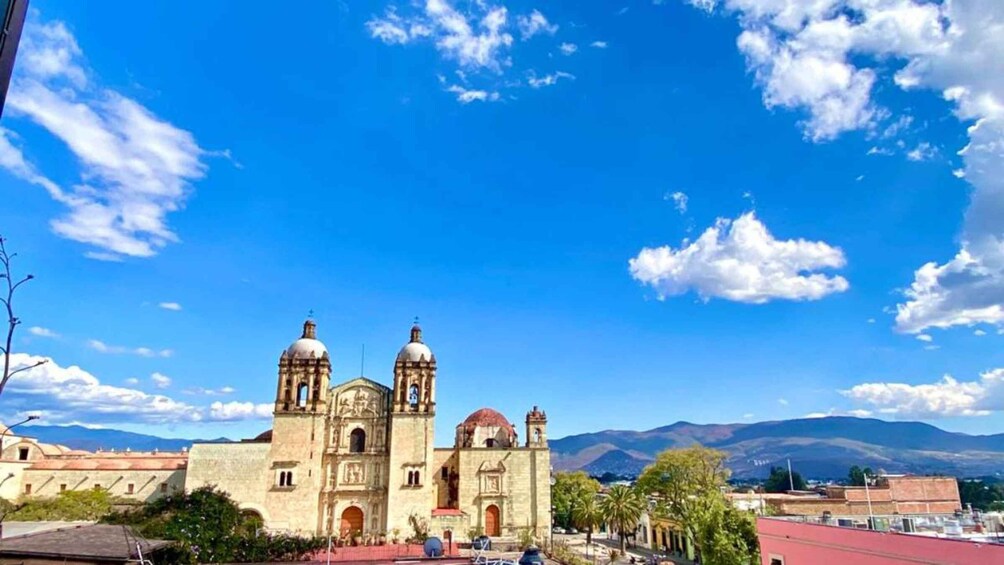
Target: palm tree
[[622, 509], [587, 516]]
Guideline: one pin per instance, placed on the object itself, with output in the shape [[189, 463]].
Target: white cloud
[[679, 201], [160, 380], [466, 96], [132, 381], [533, 24], [741, 261], [199, 391], [925, 337], [782, 401], [748, 416], [945, 398], [135, 168], [71, 394], [548, 80], [568, 48], [42, 332], [871, 320], [860, 413], [170, 306], [230, 411], [979, 333], [476, 40], [102, 347], [923, 152], [824, 56], [879, 151], [599, 44]]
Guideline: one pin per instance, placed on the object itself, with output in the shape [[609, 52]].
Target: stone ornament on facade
[[354, 474]]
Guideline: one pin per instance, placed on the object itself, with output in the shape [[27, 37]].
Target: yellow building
[[358, 458]]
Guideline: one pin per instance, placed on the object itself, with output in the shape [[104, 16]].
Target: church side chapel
[[356, 460]]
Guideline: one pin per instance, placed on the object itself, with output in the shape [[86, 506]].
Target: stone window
[[130, 488], [62, 487], [414, 478], [536, 435], [285, 479], [445, 473], [490, 442], [163, 487], [22, 454], [301, 395], [27, 488], [413, 396], [97, 486], [357, 441]]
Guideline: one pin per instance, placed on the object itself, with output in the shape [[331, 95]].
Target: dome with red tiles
[[487, 417], [486, 428]]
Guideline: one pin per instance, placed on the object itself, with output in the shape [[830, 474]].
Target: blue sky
[[629, 213]]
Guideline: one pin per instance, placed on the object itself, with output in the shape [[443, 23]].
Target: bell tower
[[298, 431], [410, 484], [304, 375], [536, 428]]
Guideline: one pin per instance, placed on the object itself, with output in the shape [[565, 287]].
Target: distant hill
[[92, 439], [817, 447]]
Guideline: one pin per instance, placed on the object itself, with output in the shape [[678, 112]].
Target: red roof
[[486, 417]]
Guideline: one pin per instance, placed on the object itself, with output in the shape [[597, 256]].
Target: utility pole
[[868, 497], [791, 478]]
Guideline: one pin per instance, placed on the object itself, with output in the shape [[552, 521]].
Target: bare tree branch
[[12, 321]]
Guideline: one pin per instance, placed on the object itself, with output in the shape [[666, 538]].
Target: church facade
[[358, 460]]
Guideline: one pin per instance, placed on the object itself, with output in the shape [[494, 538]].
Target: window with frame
[[414, 478], [27, 488], [357, 441], [62, 487], [285, 479], [163, 487], [22, 454], [130, 488], [776, 560]]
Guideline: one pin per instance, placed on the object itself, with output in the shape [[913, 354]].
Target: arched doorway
[[492, 521], [352, 521]]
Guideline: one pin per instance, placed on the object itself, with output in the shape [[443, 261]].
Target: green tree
[[570, 488], [687, 485], [856, 475], [981, 493], [586, 515], [725, 534], [622, 509], [778, 480]]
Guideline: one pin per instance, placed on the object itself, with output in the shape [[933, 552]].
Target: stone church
[[358, 458]]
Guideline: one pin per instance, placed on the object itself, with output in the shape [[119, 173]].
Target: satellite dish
[[433, 547]]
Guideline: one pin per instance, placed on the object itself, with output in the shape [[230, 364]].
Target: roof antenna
[[362, 363]]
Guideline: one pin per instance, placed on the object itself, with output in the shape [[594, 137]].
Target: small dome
[[415, 350], [487, 417], [308, 345]]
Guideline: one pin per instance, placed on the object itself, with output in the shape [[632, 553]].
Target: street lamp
[[9, 428], [868, 496]]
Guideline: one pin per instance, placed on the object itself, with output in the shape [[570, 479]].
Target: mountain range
[[93, 439], [817, 447]]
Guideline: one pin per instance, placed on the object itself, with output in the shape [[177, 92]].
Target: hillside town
[[701, 282]]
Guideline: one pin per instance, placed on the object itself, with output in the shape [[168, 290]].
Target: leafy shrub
[[67, 506], [210, 528]]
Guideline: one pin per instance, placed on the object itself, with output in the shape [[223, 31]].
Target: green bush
[[67, 506], [210, 528]]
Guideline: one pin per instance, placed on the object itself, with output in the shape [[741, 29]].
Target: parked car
[[572, 531], [558, 530], [531, 556], [481, 543]]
